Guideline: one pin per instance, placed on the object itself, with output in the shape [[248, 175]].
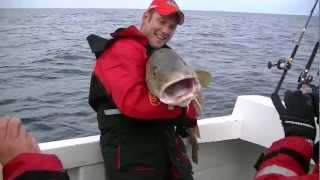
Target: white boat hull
[[229, 145]]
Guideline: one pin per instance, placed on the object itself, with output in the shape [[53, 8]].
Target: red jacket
[[34, 166], [285, 167], [121, 71]]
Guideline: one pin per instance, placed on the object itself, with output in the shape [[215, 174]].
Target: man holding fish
[[139, 138]]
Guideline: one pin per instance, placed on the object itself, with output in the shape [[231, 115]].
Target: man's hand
[[14, 140], [298, 115]]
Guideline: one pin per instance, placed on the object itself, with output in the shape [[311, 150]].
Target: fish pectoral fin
[[204, 78]]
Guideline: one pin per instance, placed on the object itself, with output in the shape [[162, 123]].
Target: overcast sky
[[262, 6]]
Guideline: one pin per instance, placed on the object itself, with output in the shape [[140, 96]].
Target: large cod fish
[[169, 78]]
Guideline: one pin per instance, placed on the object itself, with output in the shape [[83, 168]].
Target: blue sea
[[46, 63]]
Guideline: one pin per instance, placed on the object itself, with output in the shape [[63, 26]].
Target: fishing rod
[[304, 77], [285, 64]]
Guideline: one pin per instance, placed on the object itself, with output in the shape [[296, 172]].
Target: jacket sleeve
[[284, 161], [32, 166], [121, 70]]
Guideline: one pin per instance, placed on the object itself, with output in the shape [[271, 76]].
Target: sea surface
[[46, 63]]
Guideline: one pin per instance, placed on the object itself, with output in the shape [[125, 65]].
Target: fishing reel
[[282, 64], [305, 78]]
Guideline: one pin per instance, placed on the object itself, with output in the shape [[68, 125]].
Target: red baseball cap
[[167, 7]]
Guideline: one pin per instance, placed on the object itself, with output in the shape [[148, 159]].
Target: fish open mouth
[[180, 92]]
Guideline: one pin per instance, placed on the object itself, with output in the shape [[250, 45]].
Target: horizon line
[[117, 8]]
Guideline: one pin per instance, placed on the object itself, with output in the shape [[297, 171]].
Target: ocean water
[[46, 63]]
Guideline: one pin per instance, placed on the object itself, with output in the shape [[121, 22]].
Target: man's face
[[158, 29]]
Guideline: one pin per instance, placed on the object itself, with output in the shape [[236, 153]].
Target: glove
[[183, 123], [188, 118], [298, 115], [315, 99]]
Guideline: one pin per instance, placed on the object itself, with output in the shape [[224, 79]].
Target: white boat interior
[[229, 145]]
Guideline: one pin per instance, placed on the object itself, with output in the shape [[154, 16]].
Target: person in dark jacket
[[289, 158], [138, 138], [21, 157]]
